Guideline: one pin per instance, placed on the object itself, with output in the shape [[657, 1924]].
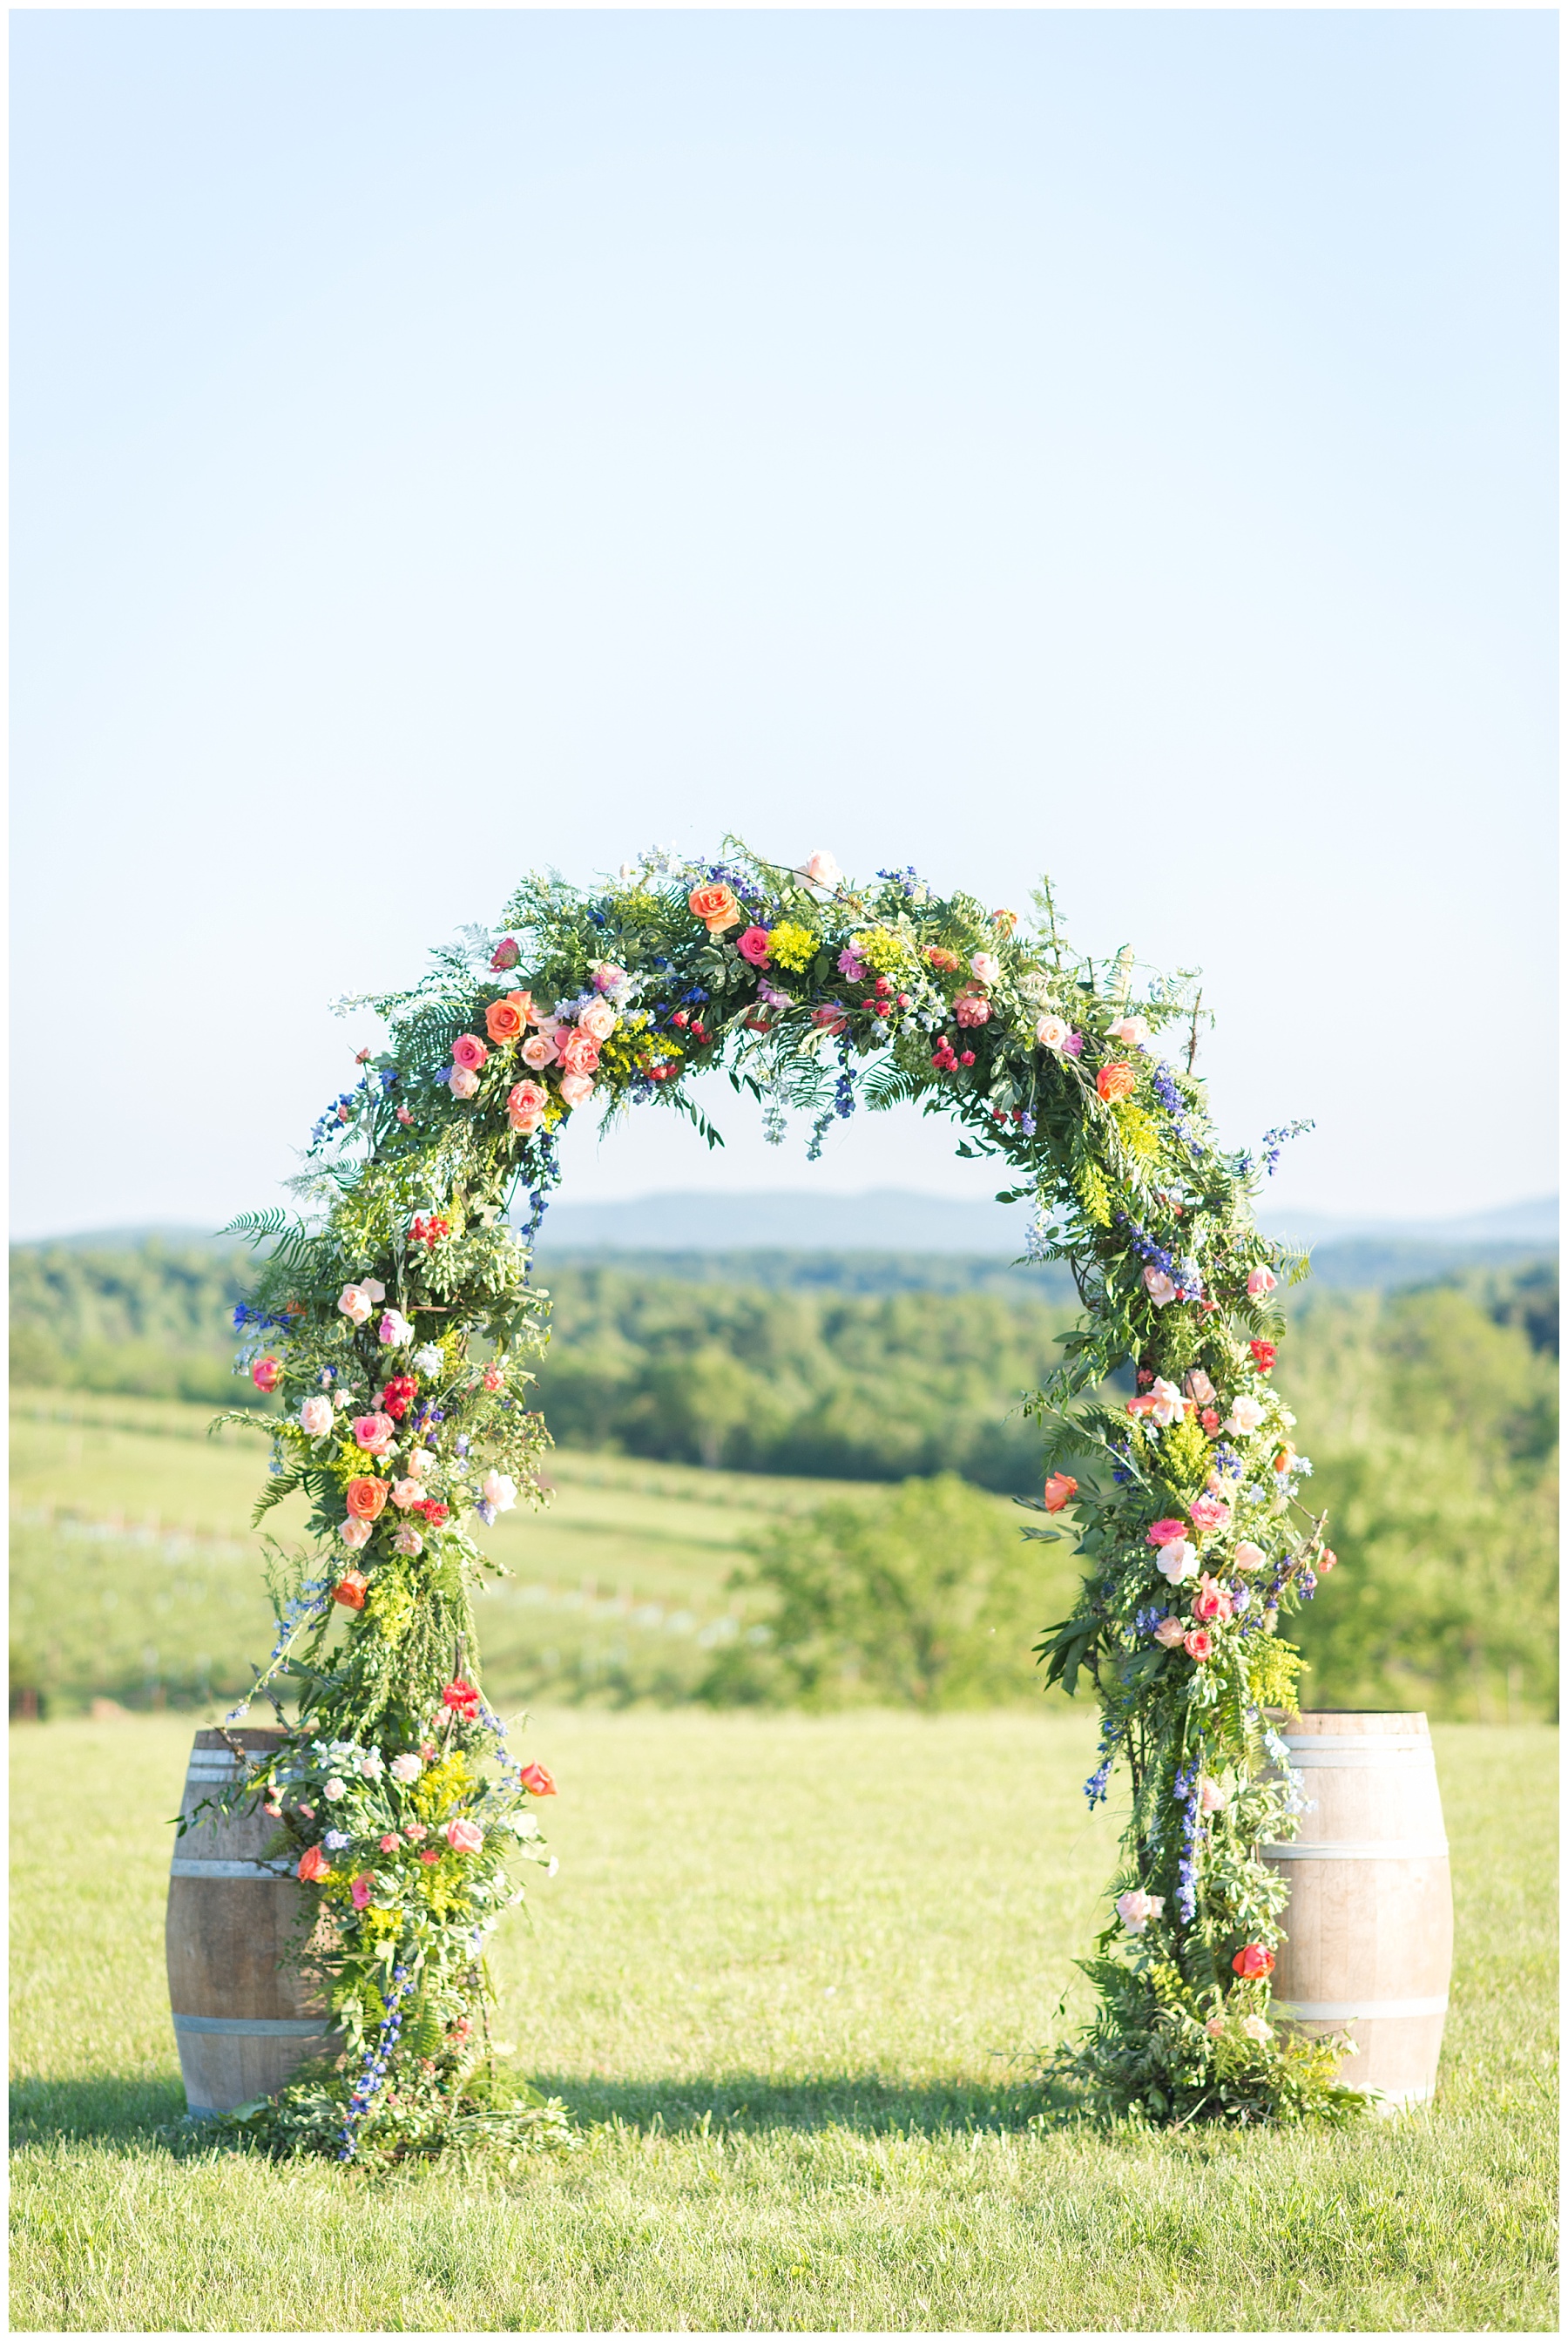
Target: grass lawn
[[779, 1979]]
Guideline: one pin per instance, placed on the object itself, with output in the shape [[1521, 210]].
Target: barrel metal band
[[1319, 1756], [179, 1867], [1357, 1739], [1346, 2011], [264, 2027], [1393, 1849]]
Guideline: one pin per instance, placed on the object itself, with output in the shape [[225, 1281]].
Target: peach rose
[[1261, 1280], [578, 1052], [1136, 1909], [1248, 1556], [316, 1417], [355, 1533], [821, 869], [355, 1303], [1051, 1031], [366, 1499], [312, 1865], [1212, 1796], [1252, 1960], [525, 1107], [1211, 1602], [598, 1019], [1113, 1082], [470, 1051], [504, 1019], [1199, 1385], [463, 1837], [576, 1088], [1159, 1286], [535, 1779], [406, 1492], [461, 1083], [985, 967], [419, 1463], [1245, 1414], [1169, 1633], [538, 1050], [715, 906]]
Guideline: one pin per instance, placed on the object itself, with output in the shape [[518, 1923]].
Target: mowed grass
[[787, 1979]]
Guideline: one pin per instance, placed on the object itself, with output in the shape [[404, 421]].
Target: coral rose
[[463, 1836], [536, 1780], [349, 1589], [830, 1018], [504, 1021], [1118, 1081], [1252, 1960], [1061, 1490], [312, 1865], [715, 905], [264, 1373], [578, 1052], [599, 1020], [470, 1051], [525, 1106], [1264, 1353], [366, 1499], [1261, 1280], [373, 1432], [1327, 1559], [355, 1533], [753, 944], [1198, 1645]]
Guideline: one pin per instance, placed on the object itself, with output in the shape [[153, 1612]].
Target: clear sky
[[1110, 443]]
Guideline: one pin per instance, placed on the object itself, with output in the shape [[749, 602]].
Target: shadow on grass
[[117, 2111], [111, 2109], [752, 2102]]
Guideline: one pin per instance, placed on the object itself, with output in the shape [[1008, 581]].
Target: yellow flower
[[792, 946], [881, 950]]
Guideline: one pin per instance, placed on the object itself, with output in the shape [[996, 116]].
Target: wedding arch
[[393, 1316]]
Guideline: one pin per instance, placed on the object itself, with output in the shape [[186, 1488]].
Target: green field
[[787, 1980], [135, 1574]]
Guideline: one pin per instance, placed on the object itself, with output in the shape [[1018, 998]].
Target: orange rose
[[1061, 1490], [505, 1019], [1118, 1081], [946, 962], [349, 1589], [366, 1499], [715, 906]]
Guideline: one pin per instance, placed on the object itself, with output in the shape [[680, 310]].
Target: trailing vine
[[395, 1317]]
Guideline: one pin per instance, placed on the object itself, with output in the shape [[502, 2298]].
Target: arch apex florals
[[395, 1318]]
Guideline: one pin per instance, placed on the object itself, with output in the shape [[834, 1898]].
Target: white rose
[[405, 1768], [1178, 1560], [333, 1790], [1168, 1405], [823, 870], [1245, 1414], [986, 967]]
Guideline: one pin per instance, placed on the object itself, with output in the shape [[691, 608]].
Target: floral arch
[[393, 1316]]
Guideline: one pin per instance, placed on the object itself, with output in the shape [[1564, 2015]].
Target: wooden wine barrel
[[241, 2020], [1369, 1928]]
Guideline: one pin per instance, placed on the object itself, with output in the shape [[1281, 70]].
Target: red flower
[[463, 1698], [396, 1397], [1209, 1420], [312, 1865], [1252, 1960], [349, 1589], [966, 1057], [536, 1780], [507, 955], [1118, 1081], [1327, 1559], [434, 1512], [432, 1854], [492, 1378], [264, 1373], [1060, 1491], [1266, 1354]]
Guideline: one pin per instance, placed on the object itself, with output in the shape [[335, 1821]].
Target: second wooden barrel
[[1369, 1928], [242, 2021]]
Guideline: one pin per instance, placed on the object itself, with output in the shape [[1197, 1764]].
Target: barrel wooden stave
[[242, 2021], [1369, 1927]]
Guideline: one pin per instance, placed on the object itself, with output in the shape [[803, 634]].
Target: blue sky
[[1115, 445]]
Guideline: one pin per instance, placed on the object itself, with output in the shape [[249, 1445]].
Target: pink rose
[[539, 1051], [394, 1329], [1248, 1556], [753, 946], [355, 1533], [1199, 1385], [461, 1083], [1052, 1032], [470, 1052], [525, 1105], [971, 1010], [598, 1019], [373, 1432], [316, 1417], [830, 1018], [355, 1303], [1160, 1289], [1211, 1602], [1136, 1908], [406, 1492], [1209, 1513], [362, 1888], [264, 1373], [1199, 1645], [1167, 1532], [1261, 1280], [1169, 1633], [1132, 1031], [608, 977], [985, 967], [506, 955], [578, 1052], [463, 1836]]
